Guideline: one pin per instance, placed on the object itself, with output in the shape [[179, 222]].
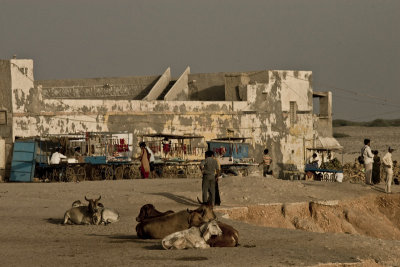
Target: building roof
[[326, 143]]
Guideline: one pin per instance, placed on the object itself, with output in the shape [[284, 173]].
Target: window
[[3, 117], [293, 112], [24, 70]]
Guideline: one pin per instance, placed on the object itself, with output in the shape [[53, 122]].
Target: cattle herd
[[178, 230]]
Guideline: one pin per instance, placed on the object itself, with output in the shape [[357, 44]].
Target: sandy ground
[[31, 234], [381, 138], [362, 228]]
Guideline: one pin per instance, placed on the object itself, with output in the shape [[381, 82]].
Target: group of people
[[372, 164]]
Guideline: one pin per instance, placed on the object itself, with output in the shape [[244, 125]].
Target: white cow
[[194, 237], [105, 216], [102, 215]]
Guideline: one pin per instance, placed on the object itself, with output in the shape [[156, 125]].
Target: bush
[[340, 135], [374, 123]]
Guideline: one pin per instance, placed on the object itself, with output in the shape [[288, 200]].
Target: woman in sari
[[144, 161]]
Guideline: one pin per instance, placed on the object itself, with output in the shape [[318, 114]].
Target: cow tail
[[139, 230], [163, 244], [236, 238]]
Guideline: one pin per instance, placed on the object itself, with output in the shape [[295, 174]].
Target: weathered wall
[[5, 105], [261, 118], [180, 90], [5, 97], [212, 86], [285, 140], [324, 121], [16, 76], [207, 86], [235, 89], [258, 76], [159, 87], [2, 159], [118, 88], [264, 115]]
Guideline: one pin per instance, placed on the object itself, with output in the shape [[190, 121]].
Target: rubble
[[355, 173]]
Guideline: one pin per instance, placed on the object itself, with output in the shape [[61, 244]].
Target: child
[[267, 160]]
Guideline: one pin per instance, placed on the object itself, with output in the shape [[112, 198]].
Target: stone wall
[[262, 112], [5, 107], [105, 88], [262, 119], [207, 86]]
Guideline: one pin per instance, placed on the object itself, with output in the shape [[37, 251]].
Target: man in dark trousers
[[218, 177], [209, 168]]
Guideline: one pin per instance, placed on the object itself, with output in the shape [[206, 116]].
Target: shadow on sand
[[378, 189], [151, 244], [54, 221], [179, 199]]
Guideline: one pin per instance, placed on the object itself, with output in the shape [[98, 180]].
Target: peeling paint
[[263, 116]]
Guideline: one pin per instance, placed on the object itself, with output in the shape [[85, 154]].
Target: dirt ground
[[381, 138], [31, 234], [280, 222]]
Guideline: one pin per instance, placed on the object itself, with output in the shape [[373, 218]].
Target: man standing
[[151, 161], [209, 168], [368, 161], [266, 162], [217, 175], [388, 167]]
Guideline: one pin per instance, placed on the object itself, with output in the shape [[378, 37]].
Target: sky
[[352, 46]]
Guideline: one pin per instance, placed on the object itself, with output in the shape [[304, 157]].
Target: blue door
[[23, 162]]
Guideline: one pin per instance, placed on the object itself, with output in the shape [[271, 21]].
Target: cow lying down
[[194, 237], [229, 237], [160, 227], [148, 211], [94, 213]]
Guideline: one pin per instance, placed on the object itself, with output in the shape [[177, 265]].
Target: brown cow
[[229, 237], [148, 211], [160, 227]]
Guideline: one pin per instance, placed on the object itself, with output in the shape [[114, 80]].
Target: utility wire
[[385, 100]]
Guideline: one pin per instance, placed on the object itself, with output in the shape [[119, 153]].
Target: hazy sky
[[352, 46]]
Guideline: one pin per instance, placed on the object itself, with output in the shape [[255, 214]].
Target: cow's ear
[[100, 204]]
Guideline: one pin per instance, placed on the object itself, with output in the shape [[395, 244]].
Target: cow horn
[[98, 198], [86, 198], [199, 200]]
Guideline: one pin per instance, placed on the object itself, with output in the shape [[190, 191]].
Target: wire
[[295, 91], [386, 102]]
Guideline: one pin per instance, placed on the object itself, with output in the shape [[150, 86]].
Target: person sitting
[[56, 157], [314, 160], [77, 153]]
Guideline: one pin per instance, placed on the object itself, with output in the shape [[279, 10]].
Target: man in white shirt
[[388, 167], [368, 161], [56, 157], [151, 161]]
